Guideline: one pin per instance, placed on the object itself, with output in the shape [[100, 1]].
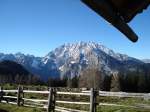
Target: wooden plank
[[121, 94], [35, 100], [69, 102], [34, 106], [47, 92], [40, 92], [14, 103], [87, 93], [117, 105], [73, 93], [10, 91], [13, 97]]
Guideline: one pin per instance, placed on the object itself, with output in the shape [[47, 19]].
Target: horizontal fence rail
[[35, 100], [69, 102], [121, 94], [38, 92], [73, 93]]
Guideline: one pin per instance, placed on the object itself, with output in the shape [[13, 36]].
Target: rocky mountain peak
[[72, 58]]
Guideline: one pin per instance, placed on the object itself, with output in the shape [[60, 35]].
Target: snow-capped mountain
[[71, 59]]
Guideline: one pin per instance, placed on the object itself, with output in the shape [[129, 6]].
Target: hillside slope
[[12, 72]]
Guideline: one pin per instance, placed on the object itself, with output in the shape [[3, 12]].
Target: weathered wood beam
[[104, 9]]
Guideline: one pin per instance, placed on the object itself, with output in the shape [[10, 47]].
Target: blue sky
[[39, 26]]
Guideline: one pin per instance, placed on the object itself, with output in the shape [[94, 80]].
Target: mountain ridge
[[67, 57]]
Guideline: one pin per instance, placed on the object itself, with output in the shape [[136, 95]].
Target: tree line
[[129, 81], [137, 80]]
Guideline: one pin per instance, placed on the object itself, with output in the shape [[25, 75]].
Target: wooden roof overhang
[[119, 13]]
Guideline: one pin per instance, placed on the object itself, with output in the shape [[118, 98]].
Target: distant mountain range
[[70, 59]]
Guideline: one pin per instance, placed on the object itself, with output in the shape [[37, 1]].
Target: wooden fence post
[[51, 100], [93, 100], [54, 99], [22, 95], [1, 94], [18, 96]]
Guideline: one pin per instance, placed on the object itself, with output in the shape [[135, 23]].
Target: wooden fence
[[49, 104]]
